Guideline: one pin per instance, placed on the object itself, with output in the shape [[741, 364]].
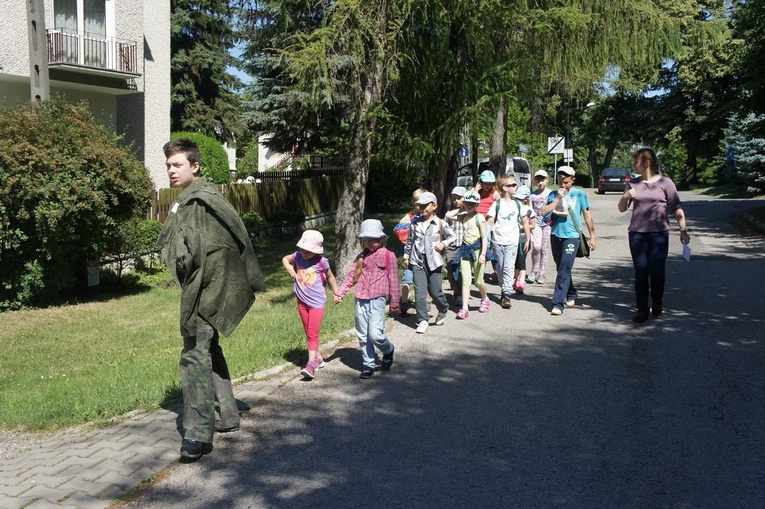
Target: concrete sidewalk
[[90, 468]]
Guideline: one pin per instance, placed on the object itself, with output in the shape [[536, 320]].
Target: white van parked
[[517, 166]]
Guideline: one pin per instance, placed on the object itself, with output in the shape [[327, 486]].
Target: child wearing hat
[[487, 192], [401, 231], [470, 259], [524, 241], [540, 235], [427, 240], [452, 218], [504, 222], [311, 271], [375, 274]]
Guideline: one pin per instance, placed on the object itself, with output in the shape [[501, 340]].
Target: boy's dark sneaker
[[440, 318], [506, 303], [367, 372], [387, 360], [191, 449]]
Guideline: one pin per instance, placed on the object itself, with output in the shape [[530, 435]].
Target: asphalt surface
[[518, 408]]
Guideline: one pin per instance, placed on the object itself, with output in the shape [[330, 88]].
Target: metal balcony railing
[[82, 49]]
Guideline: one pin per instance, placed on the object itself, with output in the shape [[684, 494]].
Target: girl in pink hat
[[311, 271]]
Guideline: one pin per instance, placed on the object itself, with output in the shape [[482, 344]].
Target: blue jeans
[[426, 282], [649, 255], [370, 329], [564, 254], [505, 266]]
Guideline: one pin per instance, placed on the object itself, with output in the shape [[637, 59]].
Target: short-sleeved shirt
[[651, 205], [506, 230], [471, 231], [539, 200], [576, 200], [487, 200], [309, 283]]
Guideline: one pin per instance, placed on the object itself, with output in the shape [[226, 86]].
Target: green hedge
[[66, 184], [214, 163]]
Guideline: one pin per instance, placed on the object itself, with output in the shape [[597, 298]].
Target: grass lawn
[[94, 361]]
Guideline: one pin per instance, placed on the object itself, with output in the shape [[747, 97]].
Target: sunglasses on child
[[511, 185]]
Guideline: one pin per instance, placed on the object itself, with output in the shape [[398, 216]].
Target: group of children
[[497, 221]]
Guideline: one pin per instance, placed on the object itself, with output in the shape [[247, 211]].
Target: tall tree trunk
[[350, 210], [497, 148]]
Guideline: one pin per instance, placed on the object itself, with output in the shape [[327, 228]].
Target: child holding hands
[[375, 270], [310, 270]]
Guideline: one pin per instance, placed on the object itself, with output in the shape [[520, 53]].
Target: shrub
[[255, 224], [390, 185], [248, 163], [66, 183], [133, 244], [214, 160]]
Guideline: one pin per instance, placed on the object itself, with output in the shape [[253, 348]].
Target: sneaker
[[440, 318], [656, 311], [506, 303], [462, 314], [319, 361], [367, 372], [640, 317], [531, 277], [484, 306], [309, 370], [387, 360], [556, 311], [220, 428], [570, 303], [518, 286], [422, 327], [191, 449], [540, 279]]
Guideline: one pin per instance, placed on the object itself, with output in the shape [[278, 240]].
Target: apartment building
[[115, 54]]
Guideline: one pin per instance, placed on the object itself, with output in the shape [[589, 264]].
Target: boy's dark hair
[[184, 145]]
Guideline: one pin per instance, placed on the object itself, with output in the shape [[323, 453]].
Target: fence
[[308, 196], [272, 176]]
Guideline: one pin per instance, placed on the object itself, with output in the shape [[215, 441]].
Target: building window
[[84, 29]]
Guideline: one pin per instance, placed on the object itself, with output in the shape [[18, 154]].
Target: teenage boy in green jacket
[[206, 248]]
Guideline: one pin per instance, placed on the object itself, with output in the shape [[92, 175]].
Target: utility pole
[[39, 80]]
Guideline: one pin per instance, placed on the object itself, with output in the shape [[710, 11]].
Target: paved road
[[518, 408]]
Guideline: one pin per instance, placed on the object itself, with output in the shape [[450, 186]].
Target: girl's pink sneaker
[[462, 314], [484, 306]]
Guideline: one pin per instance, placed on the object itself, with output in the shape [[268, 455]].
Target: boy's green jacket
[[206, 247]]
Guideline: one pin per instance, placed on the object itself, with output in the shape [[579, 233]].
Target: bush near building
[[214, 160], [66, 184]]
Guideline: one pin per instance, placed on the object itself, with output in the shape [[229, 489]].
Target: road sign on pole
[[555, 145]]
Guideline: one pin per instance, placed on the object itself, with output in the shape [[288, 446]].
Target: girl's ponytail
[[359, 266]]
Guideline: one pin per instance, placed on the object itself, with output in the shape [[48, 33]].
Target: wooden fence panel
[[311, 197]]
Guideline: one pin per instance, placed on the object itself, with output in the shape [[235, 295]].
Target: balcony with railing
[[93, 54]]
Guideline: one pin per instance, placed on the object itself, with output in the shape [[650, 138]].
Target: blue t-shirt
[[576, 199]]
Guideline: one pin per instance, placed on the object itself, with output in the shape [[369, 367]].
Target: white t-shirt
[[506, 230]]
